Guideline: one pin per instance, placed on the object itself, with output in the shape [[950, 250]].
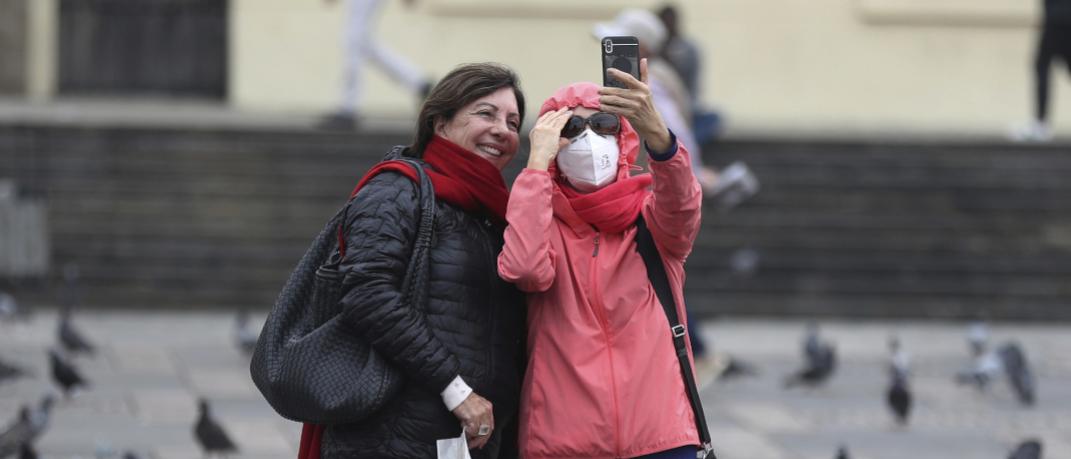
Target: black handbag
[[309, 365], [656, 272]]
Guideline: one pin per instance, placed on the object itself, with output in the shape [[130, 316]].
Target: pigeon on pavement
[[9, 308], [820, 361], [210, 434], [26, 451], [985, 364], [1017, 368], [899, 394], [69, 337], [16, 434], [244, 336], [40, 417], [64, 374], [1029, 449], [842, 453], [10, 372]]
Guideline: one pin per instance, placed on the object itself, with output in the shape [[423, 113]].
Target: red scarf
[[461, 178], [612, 208]]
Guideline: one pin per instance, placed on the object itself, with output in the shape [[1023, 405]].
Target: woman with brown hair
[[461, 352]]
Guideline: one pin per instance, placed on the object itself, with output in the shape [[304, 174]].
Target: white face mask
[[589, 162]]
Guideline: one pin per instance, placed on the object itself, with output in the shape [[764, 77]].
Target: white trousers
[[361, 46]]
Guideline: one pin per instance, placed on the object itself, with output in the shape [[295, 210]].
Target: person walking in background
[[603, 379], [462, 352], [683, 55], [1054, 43], [362, 47], [674, 102]]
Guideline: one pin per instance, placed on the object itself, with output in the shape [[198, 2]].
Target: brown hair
[[460, 87]]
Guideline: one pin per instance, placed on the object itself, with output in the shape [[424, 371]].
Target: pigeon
[[40, 417], [9, 308], [210, 434], [1029, 449], [10, 372], [69, 337], [842, 453], [812, 343], [244, 337], [820, 361], [899, 395], [985, 364], [977, 336], [735, 367], [65, 374], [899, 399], [1013, 359], [26, 451], [16, 434]]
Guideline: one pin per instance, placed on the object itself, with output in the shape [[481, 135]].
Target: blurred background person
[[1054, 42], [685, 57], [674, 101], [361, 47]]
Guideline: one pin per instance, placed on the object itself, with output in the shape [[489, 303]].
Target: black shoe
[[338, 121]]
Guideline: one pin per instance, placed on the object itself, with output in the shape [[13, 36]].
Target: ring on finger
[[483, 431]]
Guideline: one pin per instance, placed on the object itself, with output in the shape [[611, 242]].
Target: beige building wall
[[842, 66], [852, 66]]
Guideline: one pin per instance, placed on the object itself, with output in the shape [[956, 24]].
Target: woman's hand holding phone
[[636, 104]]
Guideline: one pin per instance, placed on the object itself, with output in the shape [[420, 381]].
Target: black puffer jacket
[[472, 325]]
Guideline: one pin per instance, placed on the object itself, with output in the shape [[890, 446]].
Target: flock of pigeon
[[820, 363], [19, 436]]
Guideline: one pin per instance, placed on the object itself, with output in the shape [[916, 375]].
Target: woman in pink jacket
[[603, 380]]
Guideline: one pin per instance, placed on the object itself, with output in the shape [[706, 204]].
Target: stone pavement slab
[[948, 421], [153, 366]]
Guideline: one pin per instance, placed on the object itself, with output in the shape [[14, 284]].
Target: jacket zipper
[[596, 299]]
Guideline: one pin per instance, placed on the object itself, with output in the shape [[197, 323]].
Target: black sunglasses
[[601, 122]]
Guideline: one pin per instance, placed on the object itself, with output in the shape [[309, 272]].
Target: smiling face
[[488, 127]]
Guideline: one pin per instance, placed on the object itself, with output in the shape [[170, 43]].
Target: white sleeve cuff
[[455, 393]]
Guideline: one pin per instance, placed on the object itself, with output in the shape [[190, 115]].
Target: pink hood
[[586, 94]]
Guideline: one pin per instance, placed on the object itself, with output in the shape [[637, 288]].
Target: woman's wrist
[[538, 163], [659, 141]]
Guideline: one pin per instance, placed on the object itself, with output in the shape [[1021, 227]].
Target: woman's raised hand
[[636, 104], [546, 138]]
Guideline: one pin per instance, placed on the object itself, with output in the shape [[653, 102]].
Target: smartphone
[[622, 53]]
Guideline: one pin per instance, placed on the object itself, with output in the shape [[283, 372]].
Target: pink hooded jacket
[[603, 380]]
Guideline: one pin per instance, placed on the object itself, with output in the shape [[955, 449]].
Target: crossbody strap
[[416, 271], [656, 272]]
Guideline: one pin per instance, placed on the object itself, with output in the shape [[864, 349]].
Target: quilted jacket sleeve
[[381, 227]]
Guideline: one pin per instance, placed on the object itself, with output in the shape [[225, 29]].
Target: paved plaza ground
[[153, 366]]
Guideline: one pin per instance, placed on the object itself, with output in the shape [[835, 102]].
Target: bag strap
[[415, 284], [656, 273], [418, 262]]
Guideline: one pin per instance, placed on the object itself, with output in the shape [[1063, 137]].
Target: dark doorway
[[143, 47]]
